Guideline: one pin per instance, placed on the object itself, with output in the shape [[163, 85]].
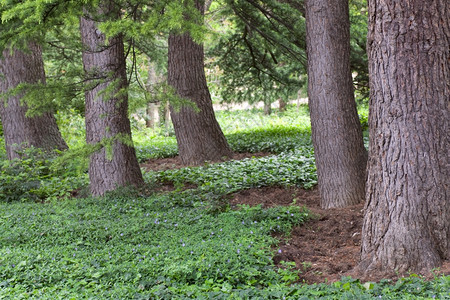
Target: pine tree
[[114, 163], [198, 134]]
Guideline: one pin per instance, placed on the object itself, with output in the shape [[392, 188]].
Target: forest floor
[[326, 247]]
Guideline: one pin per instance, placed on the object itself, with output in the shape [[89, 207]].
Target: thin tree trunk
[[282, 104], [153, 112], [115, 164], [165, 113], [336, 132], [153, 107], [267, 108], [21, 131], [407, 216], [198, 134]]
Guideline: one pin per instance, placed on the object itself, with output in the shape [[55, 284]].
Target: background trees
[[262, 51], [407, 219], [263, 59]]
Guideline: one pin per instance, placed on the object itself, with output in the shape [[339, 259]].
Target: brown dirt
[[325, 248]]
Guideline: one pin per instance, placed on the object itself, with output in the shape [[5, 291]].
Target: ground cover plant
[[34, 178], [185, 242]]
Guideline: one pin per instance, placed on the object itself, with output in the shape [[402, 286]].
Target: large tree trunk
[[407, 216], [107, 123], [336, 132], [21, 131], [198, 134]]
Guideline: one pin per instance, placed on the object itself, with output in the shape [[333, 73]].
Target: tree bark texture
[[407, 216], [336, 132], [198, 134], [107, 107], [21, 131]]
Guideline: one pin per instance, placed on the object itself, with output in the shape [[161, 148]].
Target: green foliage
[[122, 246], [275, 140], [185, 244], [358, 53], [262, 55], [295, 117], [72, 128], [246, 131], [288, 169], [32, 178], [364, 119], [155, 147]]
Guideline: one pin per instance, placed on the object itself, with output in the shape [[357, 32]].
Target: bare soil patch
[[325, 248]]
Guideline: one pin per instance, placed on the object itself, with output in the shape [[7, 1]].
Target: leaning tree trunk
[[336, 132], [407, 217], [19, 130], [107, 124], [198, 134]]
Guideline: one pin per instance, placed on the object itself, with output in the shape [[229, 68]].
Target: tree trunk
[[267, 108], [282, 104], [153, 118], [21, 131], [153, 107], [198, 134], [165, 113], [407, 215], [336, 132], [107, 124]]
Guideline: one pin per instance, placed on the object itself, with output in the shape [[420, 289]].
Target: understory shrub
[[32, 178]]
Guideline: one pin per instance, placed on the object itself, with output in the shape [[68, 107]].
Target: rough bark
[[198, 134], [107, 107], [336, 132], [407, 215], [21, 131]]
